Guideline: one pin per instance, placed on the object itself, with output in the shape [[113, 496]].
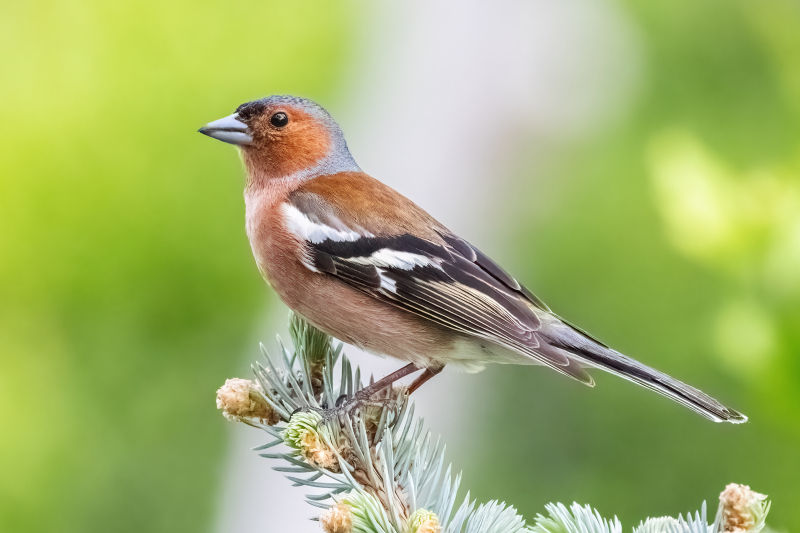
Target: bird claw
[[358, 404], [351, 406], [362, 405]]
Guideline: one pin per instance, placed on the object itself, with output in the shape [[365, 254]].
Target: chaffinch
[[368, 266]]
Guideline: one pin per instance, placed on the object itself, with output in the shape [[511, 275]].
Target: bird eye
[[279, 120]]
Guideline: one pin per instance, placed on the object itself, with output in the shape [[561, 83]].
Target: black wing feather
[[457, 293]]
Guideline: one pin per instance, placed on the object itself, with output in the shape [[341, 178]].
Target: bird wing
[[423, 268]]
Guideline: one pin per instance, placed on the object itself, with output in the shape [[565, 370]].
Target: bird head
[[284, 136]]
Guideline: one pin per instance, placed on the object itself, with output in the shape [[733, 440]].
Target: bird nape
[[366, 265]]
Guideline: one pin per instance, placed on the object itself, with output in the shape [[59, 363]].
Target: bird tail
[[592, 352]]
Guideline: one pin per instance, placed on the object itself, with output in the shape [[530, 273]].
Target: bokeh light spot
[[745, 337]]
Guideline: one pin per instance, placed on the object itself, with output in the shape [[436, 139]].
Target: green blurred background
[[128, 292]]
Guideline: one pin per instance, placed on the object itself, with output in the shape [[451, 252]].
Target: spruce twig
[[380, 471]]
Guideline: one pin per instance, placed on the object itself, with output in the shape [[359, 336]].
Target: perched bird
[[368, 266]]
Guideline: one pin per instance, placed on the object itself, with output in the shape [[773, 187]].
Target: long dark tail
[[590, 352]]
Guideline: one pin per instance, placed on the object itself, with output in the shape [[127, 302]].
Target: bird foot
[[368, 405]]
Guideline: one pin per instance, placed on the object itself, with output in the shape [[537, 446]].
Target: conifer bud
[[741, 510], [424, 521], [302, 434], [337, 519], [242, 398]]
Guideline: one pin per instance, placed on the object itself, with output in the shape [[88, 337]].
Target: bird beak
[[229, 130]]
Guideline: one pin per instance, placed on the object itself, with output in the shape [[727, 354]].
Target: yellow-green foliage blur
[[676, 235], [127, 287]]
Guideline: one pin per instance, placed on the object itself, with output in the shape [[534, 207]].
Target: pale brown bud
[[742, 510], [337, 519], [242, 398]]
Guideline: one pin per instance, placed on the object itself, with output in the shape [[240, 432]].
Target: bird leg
[[367, 392], [424, 377], [364, 396]]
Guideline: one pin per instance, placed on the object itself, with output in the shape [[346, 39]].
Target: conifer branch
[[380, 471]]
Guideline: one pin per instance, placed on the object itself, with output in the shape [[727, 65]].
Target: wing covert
[[441, 278]]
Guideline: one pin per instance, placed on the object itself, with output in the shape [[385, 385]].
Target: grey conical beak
[[229, 129]]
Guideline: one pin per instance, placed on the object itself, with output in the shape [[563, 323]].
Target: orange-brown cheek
[[300, 146], [303, 147]]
